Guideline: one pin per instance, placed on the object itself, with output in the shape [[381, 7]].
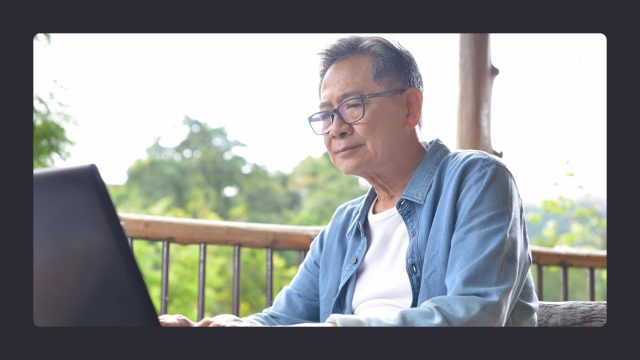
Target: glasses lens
[[321, 122], [351, 110]]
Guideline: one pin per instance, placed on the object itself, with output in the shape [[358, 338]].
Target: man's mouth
[[346, 148]]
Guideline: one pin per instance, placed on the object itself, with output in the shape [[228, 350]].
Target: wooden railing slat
[[194, 231], [570, 257]]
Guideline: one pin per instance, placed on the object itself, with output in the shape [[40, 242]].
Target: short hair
[[390, 62]]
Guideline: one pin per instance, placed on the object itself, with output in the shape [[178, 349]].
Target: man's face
[[367, 146]]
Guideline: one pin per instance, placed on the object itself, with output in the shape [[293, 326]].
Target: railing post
[[201, 279], [165, 277], [269, 276], [236, 280], [592, 285], [565, 282], [539, 285]]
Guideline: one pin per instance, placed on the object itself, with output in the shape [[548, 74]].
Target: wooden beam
[[193, 231], [294, 237], [476, 83], [569, 257]]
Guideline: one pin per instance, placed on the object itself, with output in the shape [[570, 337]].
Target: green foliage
[[49, 136], [578, 279], [322, 187], [43, 37], [578, 224], [567, 222], [148, 256], [203, 178]]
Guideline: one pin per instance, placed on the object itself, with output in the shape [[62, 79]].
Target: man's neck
[[390, 183]]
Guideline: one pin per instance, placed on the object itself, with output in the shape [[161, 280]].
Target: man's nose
[[339, 128]]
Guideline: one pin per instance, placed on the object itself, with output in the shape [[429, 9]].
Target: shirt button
[[354, 260], [402, 202], [413, 267]]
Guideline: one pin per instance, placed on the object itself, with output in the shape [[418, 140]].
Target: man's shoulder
[[472, 159], [451, 159]]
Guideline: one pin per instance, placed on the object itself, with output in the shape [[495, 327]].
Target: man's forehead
[[346, 78]]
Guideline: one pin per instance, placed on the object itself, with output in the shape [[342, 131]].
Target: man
[[438, 240]]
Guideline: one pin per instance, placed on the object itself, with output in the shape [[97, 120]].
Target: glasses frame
[[362, 97]]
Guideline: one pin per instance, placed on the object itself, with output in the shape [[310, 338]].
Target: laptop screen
[[84, 273]]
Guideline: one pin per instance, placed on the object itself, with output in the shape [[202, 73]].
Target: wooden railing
[[567, 258], [214, 232], [287, 237]]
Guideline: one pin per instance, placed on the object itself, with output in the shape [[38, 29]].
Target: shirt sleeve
[[488, 264]]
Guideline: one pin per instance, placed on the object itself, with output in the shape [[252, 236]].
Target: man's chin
[[347, 166], [347, 169]]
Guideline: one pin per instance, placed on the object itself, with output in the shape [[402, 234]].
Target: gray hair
[[390, 63]]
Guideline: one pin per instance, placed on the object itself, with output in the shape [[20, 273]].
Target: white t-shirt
[[382, 284]]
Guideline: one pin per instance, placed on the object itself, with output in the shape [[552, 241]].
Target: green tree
[[319, 188], [49, 135], [259, 197], [575, 223], [202, 178], [188, 180]]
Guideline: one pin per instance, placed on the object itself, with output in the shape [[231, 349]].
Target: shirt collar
[[420, 182], [422, 178]]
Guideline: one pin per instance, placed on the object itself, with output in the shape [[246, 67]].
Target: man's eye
[[354, 104], [325, 116]]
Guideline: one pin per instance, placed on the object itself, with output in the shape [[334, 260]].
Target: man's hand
[[324, 324], [225, 320], [178, 320]]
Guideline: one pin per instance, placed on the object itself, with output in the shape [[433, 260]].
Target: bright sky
[[548, 111]]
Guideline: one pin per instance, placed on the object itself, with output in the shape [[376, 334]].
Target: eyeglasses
[[350, 111]]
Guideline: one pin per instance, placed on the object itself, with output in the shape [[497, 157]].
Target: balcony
[[270, 237]]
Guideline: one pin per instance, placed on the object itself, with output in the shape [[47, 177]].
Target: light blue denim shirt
[[468, 257]]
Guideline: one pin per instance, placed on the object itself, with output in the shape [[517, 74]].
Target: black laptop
[[84, 273]]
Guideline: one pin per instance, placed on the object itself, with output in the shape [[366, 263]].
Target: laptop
[[84, 272]]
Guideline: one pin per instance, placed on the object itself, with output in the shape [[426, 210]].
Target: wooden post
[[476, 82]]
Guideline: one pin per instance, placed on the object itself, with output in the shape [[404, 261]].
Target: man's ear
[[413, 103]]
